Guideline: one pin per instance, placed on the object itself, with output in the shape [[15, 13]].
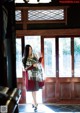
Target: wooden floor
[[27, 108]]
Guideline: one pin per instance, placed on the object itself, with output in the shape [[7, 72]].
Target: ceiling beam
[[54, 32]]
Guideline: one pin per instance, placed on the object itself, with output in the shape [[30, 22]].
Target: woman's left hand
[[35, 65]]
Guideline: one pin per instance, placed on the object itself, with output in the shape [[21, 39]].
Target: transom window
[[35, 15], [46, 14], [33, 1], [18, 15]]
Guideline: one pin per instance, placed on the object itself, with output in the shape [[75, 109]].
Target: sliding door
[[61, 64]]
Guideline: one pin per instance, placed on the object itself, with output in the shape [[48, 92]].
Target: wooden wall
[[62, 91]]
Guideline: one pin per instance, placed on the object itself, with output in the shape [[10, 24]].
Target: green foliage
[[66, 45], [77, 46]]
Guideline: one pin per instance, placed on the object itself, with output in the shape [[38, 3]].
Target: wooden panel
[[62, 90], [77, 90], [59, 90], [50, 90], [65, 90], [21, 84]]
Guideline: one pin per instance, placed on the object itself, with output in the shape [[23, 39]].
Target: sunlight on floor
[[41, 109], [48, 108], [38, 97]]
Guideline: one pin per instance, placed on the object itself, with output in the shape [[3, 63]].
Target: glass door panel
[[65, 57], [18, 58], [76, 57], [49, 57]]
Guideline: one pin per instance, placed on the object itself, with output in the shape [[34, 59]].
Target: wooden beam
[[40, 8], [52, 32]]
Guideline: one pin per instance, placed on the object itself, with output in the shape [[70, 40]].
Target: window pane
[[77, 57], [56, 14], [18, 58], [49, 57], [18, 15], [33, 1], [19, 1], [64, 57], [35, 42]]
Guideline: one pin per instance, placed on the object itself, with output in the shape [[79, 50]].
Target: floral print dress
[[34, 73]]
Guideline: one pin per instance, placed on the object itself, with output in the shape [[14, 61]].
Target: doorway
[[35, 42], [38, 97]]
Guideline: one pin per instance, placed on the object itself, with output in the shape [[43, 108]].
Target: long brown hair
[[26, 54]]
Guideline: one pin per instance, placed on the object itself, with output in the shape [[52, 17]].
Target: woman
[[33, 67]]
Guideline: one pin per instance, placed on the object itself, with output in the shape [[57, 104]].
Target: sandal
[[35, 109], [34, 105]]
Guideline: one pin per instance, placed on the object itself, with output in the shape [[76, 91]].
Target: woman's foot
[[35, 109], [34, 105]]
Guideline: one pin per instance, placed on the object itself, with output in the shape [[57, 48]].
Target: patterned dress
[[34, 73]]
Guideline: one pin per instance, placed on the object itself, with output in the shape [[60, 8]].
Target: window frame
[[25, 17]]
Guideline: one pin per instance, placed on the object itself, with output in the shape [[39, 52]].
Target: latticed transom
[[46, 14], [18, 15]]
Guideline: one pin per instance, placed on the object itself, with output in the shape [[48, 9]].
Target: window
[[18, 58], [19, 1], [49, 57], [65, 57], [77, 57], [18, 15], [36, 15], [33, 1], [55, 14]]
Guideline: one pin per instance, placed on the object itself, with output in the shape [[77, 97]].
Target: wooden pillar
[[11, 46], [3, 73]]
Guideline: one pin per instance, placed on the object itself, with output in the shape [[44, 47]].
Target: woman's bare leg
[[34, 98]]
